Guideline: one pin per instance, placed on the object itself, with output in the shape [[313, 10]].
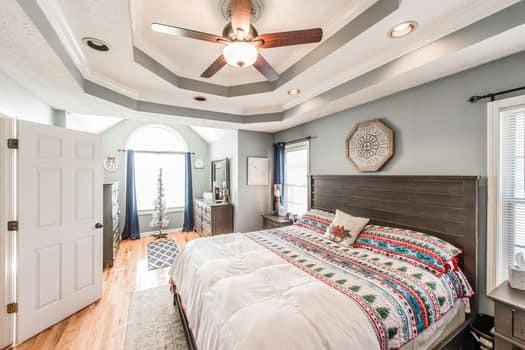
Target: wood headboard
[[444, 206]]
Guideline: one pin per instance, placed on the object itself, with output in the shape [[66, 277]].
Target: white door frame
[[494, 247], [7, 238]]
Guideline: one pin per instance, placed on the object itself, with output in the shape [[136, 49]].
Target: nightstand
[[275, 221], [509, 320]]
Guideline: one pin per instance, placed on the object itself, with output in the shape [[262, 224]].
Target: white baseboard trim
[[170, 230]]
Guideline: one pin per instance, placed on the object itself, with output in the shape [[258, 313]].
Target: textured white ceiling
[[189, 58], [45, 75]]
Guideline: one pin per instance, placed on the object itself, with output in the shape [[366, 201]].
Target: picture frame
[[257, 169]]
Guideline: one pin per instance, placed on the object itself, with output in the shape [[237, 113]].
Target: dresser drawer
[[518, 324], [510, 323]]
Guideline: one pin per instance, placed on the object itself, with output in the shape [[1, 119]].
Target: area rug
[[153, 322], [161, 253]]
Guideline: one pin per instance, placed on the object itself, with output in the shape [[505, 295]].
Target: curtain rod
[[492, 96], [156, 152], [307, 138]]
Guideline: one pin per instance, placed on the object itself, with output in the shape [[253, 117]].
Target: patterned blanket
[[400, 299]]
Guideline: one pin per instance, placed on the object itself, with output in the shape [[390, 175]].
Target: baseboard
[[170, 230]]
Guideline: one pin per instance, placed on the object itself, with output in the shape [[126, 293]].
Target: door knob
[[98, 225]]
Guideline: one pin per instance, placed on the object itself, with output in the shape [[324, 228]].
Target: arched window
[[158, 138]]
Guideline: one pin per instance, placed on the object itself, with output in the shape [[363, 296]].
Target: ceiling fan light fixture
[[403, 29], [240, 54]]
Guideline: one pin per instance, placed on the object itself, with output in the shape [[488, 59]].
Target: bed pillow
[[352, 226], [316, 220], [460, 283], [424, 250]]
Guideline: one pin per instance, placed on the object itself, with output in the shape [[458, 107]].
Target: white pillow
[[353, 226]]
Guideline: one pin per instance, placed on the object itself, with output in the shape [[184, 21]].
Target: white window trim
[[494, 231], [299, 145], [169, 210]]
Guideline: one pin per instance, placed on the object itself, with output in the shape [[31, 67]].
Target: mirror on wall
[[220, 180]]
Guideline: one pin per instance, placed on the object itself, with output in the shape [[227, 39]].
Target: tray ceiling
[[148, 74]]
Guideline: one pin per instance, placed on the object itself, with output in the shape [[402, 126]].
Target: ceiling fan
[[243, 42]]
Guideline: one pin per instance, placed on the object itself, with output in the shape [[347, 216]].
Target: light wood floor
[[102, 325]]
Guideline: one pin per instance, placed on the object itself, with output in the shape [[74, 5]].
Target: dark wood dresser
[[212, 218], [275, 221], [111, 213], [509, 320]]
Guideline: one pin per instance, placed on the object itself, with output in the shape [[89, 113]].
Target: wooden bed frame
[[444, 206]]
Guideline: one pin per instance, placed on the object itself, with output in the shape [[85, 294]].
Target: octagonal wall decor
[[370, 145]]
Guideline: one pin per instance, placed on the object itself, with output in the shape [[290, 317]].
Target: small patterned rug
[[161, 253], [154, 322]]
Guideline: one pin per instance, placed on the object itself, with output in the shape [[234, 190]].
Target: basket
[[516, 277]]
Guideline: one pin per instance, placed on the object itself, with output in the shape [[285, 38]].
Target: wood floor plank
[[102, 325]]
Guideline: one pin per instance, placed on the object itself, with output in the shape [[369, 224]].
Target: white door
[[59, 203], [6, 238]]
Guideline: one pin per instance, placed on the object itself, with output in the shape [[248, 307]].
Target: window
[[147, 165], [506, 174], [296, 177]]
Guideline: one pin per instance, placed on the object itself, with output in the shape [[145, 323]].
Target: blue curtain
[[188, 198], [278, 168], [131, 226]]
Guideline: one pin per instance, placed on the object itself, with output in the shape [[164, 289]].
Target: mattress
[[289, 288]]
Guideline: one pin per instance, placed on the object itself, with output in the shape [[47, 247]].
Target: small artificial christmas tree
[[160, 217]]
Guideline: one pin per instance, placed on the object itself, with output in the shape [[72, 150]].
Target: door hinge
[[12, 308], [12, 225], [12, 143]]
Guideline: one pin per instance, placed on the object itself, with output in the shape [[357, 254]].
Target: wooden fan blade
[[295, 37], [265, 68], [188, 33], [214, 67], [241, 12]]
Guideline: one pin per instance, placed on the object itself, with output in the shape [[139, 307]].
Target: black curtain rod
[[492, 96], [307, 138]]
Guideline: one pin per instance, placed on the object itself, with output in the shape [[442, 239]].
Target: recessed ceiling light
[[294, 91], [200, 98], [403, 29], [96, 44]]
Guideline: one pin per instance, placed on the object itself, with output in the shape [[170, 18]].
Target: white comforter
[[235, 301], [240, 295]]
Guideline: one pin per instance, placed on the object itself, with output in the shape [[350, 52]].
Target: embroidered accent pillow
[[429, 252], [315, 220], [353, 226]]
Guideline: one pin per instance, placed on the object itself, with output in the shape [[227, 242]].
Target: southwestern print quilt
[[400, 299]]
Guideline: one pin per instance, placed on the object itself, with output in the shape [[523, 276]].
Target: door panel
[[48, 262], [84, 256], [60, 200]]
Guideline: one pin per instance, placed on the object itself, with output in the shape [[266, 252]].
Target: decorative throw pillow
[[430, 252], [336, 233], [352, 226], [315, 220]]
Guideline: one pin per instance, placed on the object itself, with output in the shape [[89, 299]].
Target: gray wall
[[116, 137], [16, 101], [253, 200], [250, 202], [436, 131]]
